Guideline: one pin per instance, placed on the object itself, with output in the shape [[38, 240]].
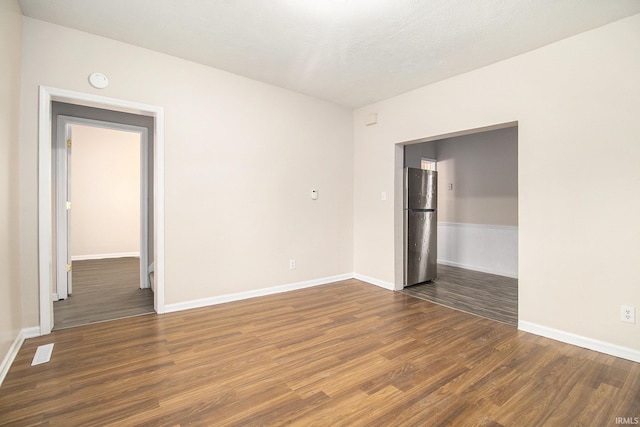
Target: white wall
[[480, 247], [576, 103], [241, 160], [10, 52], [105, 193], [241, 157]]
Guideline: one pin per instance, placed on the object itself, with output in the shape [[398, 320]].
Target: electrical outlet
[[292, 264], [628, 314]]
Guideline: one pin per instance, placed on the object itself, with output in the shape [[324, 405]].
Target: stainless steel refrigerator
[[420, 225]]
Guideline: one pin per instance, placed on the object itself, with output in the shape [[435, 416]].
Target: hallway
[[103, 289]]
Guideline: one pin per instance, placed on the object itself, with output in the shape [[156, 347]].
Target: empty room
[[268, 221]]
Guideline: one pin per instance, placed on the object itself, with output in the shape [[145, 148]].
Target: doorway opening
[[477, 225], [102, 221], [93, 107]]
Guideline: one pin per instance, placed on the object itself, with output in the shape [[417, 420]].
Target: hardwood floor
[[343, 354], [103, 289], [487, 295]]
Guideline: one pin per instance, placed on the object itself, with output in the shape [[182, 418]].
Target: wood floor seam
[[341, 354]]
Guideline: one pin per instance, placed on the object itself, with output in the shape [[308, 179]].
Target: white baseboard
[[31, 332], [374, 281], [481, 247], [580, 341], [205, 302], [15, 348], [104, 256], [478, 268]]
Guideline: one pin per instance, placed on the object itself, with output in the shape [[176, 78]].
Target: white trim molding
[[374, 281], [106, 256], [15, 348], [205, 302], [480, 247], [45, 233], [580, 341]]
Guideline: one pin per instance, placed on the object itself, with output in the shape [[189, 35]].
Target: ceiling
[[351, 52]]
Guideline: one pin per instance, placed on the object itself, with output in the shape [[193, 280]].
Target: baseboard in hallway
[[105, 256]]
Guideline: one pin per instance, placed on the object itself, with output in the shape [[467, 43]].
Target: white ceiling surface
[[351, 52]]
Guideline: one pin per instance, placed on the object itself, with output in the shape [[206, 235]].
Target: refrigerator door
[[421, 188], [421, 256]]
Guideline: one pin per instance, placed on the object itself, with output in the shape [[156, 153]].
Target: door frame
[[62, 253], [398, 217], [45, 185]]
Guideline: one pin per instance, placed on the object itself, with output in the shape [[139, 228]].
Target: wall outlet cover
[[628, 314]]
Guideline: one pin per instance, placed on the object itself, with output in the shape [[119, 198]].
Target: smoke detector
[[98, 80]]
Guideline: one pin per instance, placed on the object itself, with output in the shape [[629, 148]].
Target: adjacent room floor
[[487, 295], [103, 289]]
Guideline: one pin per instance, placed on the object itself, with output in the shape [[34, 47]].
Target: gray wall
[[415, 152], [483, 171]]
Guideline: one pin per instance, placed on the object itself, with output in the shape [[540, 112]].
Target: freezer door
[[421, 189], [421, 247]]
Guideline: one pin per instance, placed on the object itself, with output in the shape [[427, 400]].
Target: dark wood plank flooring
[[343, 354], [103, 289], [487, 295]]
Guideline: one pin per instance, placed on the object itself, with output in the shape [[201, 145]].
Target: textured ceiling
[[351, 52]]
